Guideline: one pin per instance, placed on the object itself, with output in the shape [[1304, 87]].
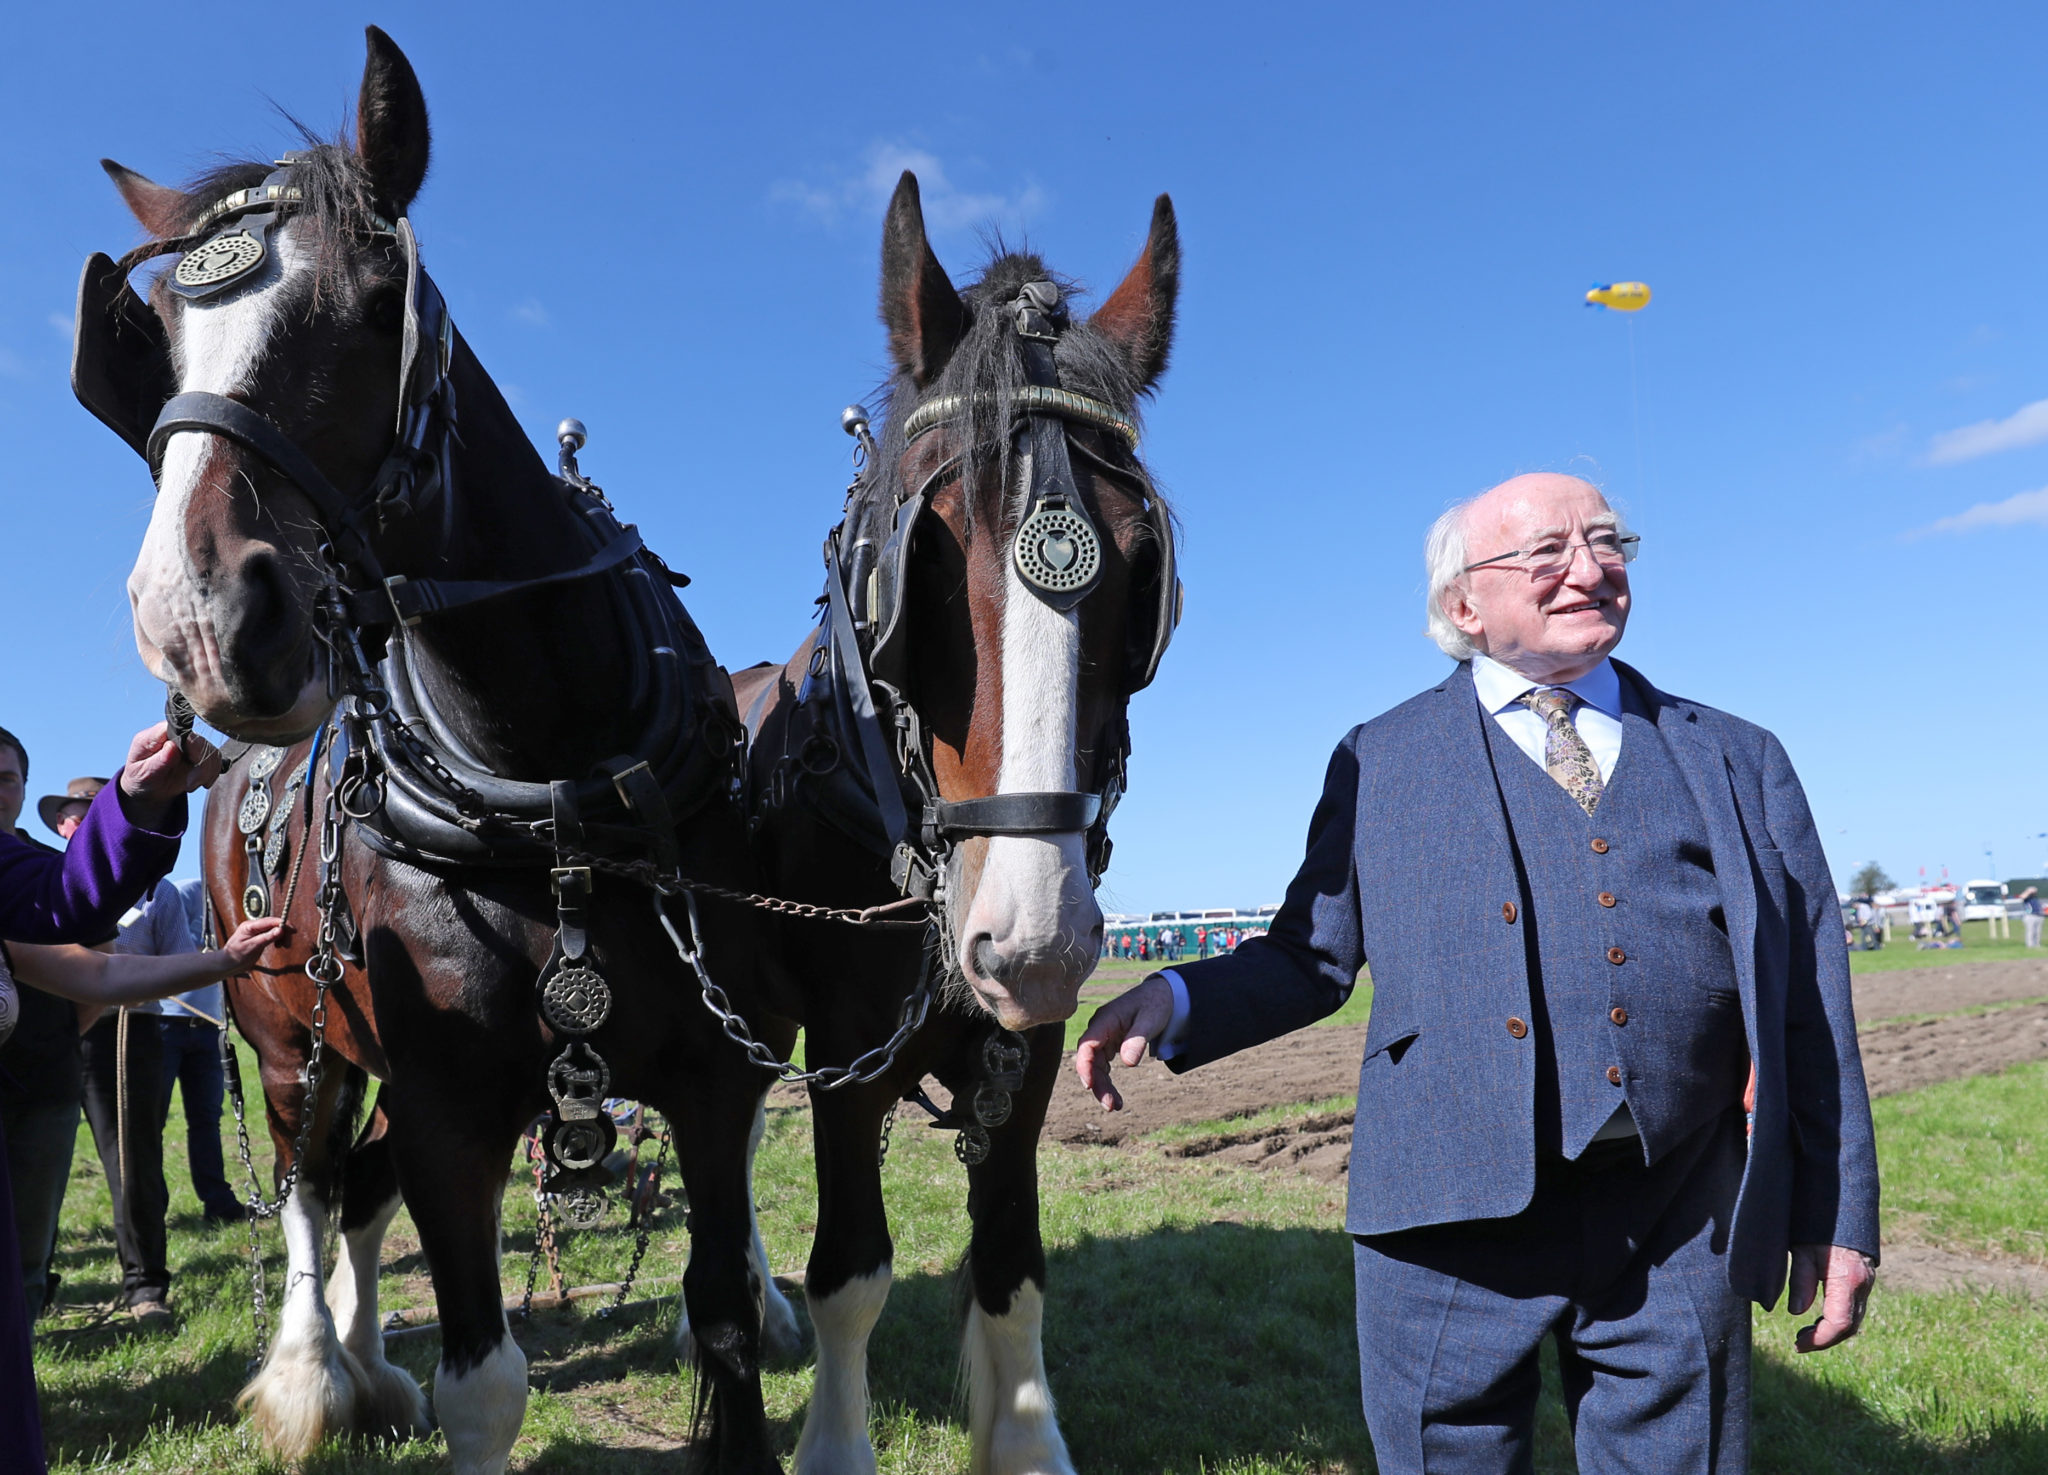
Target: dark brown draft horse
[[956, 728], [532, 729]]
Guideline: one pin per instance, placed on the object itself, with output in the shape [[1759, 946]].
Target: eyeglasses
[[1553, 556]]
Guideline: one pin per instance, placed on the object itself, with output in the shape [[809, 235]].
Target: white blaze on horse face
[[835, 1437], [1034, 905], [219, 347], [1009, 1401]]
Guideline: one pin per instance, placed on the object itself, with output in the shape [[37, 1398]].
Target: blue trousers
[[1624, 1265], [192, 1063]]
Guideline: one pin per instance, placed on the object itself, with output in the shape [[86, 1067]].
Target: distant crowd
[[1171, 944]]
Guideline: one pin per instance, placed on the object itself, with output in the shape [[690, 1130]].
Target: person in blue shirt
[[192, 1025]]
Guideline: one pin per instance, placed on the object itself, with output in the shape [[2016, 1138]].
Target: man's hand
[[1848, 1275], [1121, 1029], [158, 771]]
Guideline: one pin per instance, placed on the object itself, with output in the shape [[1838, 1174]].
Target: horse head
[[290, 300], [1036, 567]]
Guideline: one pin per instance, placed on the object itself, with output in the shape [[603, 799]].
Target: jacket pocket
[[1391, 1041]]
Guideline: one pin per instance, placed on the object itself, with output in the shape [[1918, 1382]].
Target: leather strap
[[571, 882], [411, 600], [860, 697], [218, 415], [1055, 812]]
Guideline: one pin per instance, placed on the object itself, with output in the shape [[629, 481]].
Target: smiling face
[[1551, 629]]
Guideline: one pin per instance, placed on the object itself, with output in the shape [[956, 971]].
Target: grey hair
[[1444, 556]]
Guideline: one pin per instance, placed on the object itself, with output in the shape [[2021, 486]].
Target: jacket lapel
[[1705, 766], [1458, 742]]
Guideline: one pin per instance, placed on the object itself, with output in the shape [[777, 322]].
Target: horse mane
[[987, 366]]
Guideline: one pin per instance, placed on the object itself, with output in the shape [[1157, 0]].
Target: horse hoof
[[389, 1403], [782, 1336], [302, 1397]]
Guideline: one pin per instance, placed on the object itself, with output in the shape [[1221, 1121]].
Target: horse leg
[[307, 1388], [722, 1286], [847, 1281], [1010, 1409], [781, 1336], [390, 1402], [452, 1171]]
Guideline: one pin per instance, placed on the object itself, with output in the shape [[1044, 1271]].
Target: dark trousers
[[192, 1063], [41, 1136], [131, 1145], [1625, 1266], [21, 1421]]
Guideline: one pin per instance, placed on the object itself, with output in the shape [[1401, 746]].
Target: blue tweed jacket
[[1408, 865]]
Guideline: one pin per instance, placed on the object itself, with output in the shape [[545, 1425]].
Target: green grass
[[1978, 947], [1965, 1163], [1199, 1318]]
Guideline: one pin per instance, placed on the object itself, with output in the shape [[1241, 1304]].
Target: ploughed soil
[[1903, 1048]]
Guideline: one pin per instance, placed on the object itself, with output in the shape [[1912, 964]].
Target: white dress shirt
[[1598, 720], [1597, 716]]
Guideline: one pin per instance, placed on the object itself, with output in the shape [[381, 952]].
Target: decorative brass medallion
[[219, 261], [1057, 550], [255, 809], [582, 1207], [255, 902], [972, 1145], [273, 849], [991, 1106], [263, 762], [576, 1000]]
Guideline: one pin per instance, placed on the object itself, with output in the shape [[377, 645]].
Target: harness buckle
[[391, 587], [571, 885]]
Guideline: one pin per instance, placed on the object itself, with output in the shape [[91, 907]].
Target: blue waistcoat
[[1633, 992]]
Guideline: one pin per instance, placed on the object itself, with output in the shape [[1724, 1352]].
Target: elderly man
[[1589, 906]]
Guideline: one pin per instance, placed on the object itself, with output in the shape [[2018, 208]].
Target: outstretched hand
[[250, 939], [1848, 1275], [1121, 1030]]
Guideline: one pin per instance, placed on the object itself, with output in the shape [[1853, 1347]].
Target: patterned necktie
[[1565, 753]]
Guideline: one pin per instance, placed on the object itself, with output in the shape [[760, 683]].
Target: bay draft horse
[[266, 370], [984, 682]]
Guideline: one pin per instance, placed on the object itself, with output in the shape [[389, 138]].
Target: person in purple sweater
[[128, 842]]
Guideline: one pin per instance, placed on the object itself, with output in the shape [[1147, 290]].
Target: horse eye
[[386, 312]]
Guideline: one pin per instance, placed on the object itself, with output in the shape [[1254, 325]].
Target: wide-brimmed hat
[[77, 789]]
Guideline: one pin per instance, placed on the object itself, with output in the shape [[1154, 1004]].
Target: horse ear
[[1138, 317], [919, 306], [159, 207], [391, 125]]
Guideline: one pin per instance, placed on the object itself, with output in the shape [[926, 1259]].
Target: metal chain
[[605, 1313], [888, 1126], [871, 1066], [544, 1242], [324, 969]]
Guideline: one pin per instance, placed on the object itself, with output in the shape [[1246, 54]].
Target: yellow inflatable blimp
[[1621, 296]]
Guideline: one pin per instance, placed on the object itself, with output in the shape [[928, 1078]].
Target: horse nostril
[[987, 962]]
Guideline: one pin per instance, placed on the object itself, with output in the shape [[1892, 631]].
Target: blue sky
[[665, 220]]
